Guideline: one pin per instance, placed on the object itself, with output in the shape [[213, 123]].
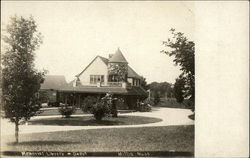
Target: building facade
[[105, 75]]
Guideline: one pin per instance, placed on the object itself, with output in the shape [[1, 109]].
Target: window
[[113, 78], [96, 78]]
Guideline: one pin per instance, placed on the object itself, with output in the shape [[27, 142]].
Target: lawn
[[90, 121], [178, 138], [54, 111]]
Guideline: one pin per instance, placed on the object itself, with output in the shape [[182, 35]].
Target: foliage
[[183, 51], [66, 110], [21, 81], [156, 98], [101, 107], [164, 88], [88, 102], [44, 97], [144, 106], [178, 89], [100, 110], [119, 69], [144, 83]]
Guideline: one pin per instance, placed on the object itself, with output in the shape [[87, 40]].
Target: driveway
[[169, 116]]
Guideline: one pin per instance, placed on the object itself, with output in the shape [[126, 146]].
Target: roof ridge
[[102, 57]]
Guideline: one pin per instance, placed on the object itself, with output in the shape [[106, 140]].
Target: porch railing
[[114, 84]]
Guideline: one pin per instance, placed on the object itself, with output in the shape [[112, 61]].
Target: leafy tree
[[88, 102], [156, 98], [170, 92], [21, 81], [183, 51], [120, 70], [179, 89], [144, 83], [164, 88]]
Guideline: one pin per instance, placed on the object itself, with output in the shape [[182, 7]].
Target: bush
[[100, 107], [144, 106], [88, 103], [100, 110], [67, 111]]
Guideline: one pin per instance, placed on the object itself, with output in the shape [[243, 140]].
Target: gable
[[102, 58], [96, 67]]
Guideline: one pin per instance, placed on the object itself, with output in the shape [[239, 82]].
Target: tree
[[178, 89], [120, 70], [21, 81], [156, 98], [163, 88], [144, 83], [87, 103], [183, 51]]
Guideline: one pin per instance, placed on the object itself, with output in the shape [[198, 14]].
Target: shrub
[[144, 106], [67, 111], [100, 107], [87, 104], [100, 110]]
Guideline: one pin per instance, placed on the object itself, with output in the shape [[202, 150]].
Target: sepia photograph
[[98, 79]]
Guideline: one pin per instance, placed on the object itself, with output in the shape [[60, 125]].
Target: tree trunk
[[16, 130]]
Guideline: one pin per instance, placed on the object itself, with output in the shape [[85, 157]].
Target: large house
[[105, 75]]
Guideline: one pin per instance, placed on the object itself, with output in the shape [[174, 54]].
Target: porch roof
[[115, 90]]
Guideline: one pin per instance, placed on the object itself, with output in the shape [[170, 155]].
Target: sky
[[75, 32]]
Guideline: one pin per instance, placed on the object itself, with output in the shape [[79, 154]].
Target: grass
[[49, 112], [178, 138], [90, 121]]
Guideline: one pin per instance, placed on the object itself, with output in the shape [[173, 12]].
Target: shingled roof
[[103, 90], [118, 57], [133, 74], [55, 82]]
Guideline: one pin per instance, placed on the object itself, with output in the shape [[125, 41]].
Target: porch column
[[66, 98], [79, 100]]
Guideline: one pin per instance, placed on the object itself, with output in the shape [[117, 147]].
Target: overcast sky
[[75, 32]]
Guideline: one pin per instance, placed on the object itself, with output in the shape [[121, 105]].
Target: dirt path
[[169, 116]]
